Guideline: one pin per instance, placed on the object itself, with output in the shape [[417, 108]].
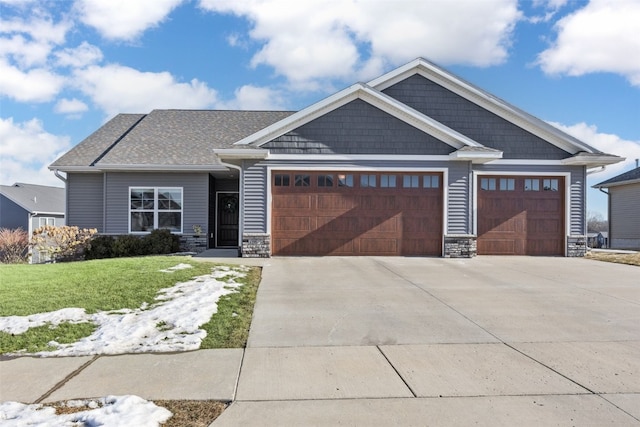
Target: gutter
[[56, 172]]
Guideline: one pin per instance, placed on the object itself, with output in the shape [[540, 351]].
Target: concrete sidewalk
[[398, 341]]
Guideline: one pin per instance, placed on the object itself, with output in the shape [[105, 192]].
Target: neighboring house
[[598, 240], [30, 206], [624, 209], [416, 162]]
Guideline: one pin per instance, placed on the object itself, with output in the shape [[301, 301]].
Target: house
[[416, 162], [624, 209], [598, 240], [30, 206]]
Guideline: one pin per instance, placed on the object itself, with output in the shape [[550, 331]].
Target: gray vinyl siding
[[577, 181], [255, 190], [357, 128], [255, 197], [85, 200], [472, 120], [195, 197], [624, 220], [12, 215]]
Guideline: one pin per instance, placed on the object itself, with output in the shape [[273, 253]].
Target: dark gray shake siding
[[458, 209], [472, 120], [85, 200], [195, 197], [357, 128]]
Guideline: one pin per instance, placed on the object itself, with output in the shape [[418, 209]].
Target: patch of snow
[[172, 324], [175, 268], [122, 411]]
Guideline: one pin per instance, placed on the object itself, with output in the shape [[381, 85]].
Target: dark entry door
[[227, 222]]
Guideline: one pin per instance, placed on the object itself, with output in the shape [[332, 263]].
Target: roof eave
[[592, 160], [240, 153], [616, 184], [476, 157]]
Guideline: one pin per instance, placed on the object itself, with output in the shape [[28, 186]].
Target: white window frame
[[156, 209], [48, 220]]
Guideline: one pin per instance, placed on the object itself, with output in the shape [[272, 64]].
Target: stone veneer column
[[576, 246], [460, 246], [256, 245]]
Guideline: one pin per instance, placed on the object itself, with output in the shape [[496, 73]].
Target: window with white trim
[[155, 207], [45, 220]]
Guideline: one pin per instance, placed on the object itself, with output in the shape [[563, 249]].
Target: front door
[[228, 208]]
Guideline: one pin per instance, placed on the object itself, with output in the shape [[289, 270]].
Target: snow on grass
[[122, 411], [171, 324]]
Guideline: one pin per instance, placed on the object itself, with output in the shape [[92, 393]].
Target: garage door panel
[[355, 220], [519, 221], [293, 201]]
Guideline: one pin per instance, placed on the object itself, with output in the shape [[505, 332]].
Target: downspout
[[56, 172], [608, 216], [241, 193]]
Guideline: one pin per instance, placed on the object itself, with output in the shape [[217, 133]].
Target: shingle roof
[[96, 144], [167, 137], [632, 175], [35, 198]]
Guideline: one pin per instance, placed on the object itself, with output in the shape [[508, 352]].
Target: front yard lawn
[[120, 284]]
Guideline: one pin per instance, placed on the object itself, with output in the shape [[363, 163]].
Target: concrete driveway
[[429, 341]]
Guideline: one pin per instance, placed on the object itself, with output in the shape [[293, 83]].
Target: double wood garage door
[[520, 215], [335, 213]]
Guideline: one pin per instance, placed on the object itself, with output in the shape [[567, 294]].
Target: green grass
[[112, 284]]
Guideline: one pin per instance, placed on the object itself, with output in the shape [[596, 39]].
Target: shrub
[[128, 245], [161, 242], [14, 245], [66, 243], [100, 247]]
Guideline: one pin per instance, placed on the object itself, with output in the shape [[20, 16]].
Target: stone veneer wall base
[[256, 245], [193, 243], [576, 246], [460, 246]]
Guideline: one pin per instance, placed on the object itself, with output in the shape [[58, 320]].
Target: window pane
[[282, 180], [431, 181], [507, 184], [302, 181], [325, 180], [550, 185], [142, 198], [410, 181], [172, 221], [388, 181], [345, 180], [531, 184], [141, 221], [367, 180], [169, 199], [488, 184]]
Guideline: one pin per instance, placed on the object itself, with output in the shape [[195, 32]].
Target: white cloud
[[29, 42], [250, 97], [70, 106], [26, 151], [119, 89], [81, 56], [124, 19], [319, 39], [600, 37], [607, 143], [35, 85]]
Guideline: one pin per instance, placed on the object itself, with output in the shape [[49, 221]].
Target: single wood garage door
[[520, 215], [335, 213]]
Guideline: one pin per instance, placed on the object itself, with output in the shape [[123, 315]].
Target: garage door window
[[531, 184], [325, 180], [302, 180], [550, 185], [367, 181], [431, 181], [281, 180], [488, 184], [410, 181], [388, 181], [507, 184], [345, 180]]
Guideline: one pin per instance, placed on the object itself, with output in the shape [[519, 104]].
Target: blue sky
[[67, 66]]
